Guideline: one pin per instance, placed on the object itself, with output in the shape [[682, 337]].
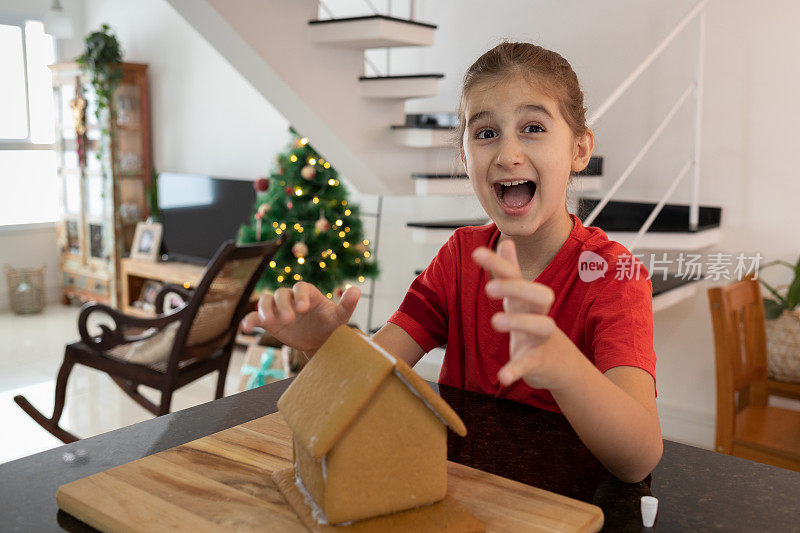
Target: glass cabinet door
[[99, 216]]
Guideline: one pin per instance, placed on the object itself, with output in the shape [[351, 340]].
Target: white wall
[[748, 167], [206, 118]]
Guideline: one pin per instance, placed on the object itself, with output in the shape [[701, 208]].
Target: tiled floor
[[30, 355]]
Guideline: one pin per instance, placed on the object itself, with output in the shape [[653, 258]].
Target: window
[[28, 173]]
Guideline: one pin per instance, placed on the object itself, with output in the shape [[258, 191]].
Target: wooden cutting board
[[222, 482]]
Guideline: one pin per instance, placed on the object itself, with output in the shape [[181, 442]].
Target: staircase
[[312, 68]]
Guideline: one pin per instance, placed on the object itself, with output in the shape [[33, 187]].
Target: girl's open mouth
[[514, 196]]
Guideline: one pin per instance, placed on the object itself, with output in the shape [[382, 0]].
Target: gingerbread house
[[370, 436]]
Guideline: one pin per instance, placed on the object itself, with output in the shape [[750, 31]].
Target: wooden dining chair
[[171, 349], [747, 426]]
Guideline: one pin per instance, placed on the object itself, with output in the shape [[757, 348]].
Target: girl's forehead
[[510, 92]]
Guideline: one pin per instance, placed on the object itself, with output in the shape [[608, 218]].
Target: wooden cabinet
[[104, 169], [135, 274]]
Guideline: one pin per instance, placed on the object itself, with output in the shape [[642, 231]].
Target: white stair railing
[[697, 86], [632, 165], [657, 210]]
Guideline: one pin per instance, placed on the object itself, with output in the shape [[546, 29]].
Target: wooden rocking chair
[[196, 338]]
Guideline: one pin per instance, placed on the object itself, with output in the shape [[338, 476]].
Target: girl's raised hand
[[302, 317], [525, 305]]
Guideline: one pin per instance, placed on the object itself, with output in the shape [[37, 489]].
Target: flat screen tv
[[201, 212]]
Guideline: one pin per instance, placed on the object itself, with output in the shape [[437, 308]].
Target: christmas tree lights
[[298, 200]]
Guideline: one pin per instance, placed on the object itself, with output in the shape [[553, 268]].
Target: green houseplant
[[101, 60], [779, 303], [783, 327]]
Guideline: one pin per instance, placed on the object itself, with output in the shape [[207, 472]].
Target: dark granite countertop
[[698, 490]]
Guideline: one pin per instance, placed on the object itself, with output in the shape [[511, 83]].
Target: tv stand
[[136, 272]]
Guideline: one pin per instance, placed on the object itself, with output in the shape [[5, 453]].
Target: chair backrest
[[737, 313], [220, 299]]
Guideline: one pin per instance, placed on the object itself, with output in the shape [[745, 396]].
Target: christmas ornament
[[261, 184], [308, 172], [300, 186], [322, 223], [300, 249]]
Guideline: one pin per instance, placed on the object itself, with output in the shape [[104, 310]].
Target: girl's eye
[[486, 134], [533, 128]]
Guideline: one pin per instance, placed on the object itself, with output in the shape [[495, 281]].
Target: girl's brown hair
[[552, 72]]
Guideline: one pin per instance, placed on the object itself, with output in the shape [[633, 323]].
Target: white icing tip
[[649, 510]]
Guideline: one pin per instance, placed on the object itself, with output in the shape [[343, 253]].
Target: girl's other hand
[[302, 317], [525, 305]]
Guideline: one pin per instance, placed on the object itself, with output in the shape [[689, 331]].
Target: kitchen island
[[698, 490]]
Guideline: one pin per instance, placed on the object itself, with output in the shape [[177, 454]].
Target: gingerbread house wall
[[310, 471], [393, 457]]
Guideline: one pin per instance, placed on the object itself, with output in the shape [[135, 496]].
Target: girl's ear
[[584, 146], [464, 160]]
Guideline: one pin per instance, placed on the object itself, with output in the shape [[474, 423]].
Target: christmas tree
[[304, 201]]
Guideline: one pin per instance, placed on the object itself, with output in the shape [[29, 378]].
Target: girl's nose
[[509, 153]]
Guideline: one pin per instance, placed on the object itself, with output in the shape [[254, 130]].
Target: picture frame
[[146, 241], [147, 296]]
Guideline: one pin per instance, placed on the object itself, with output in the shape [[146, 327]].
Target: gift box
[[264, 364]]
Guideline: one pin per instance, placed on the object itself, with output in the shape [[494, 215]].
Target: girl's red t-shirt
[[609, 318]]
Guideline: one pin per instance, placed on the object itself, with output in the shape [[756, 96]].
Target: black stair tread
[[661, 285], [620, 215], [431, 120], [594, 168], [400, 77], [673, 218], [421, 127], [369, 17], [448, 224], [423, 176]]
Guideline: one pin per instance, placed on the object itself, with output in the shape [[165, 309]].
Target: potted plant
[[783, 326], [100, 60]]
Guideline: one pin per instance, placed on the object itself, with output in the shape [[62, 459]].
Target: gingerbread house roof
[[337, 384]]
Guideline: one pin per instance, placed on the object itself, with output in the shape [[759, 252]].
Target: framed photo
[[148, 295], [96, 248], [146, 241]]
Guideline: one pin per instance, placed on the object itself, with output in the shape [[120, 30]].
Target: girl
[[520, 319]]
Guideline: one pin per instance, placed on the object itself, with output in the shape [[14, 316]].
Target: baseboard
[[687, 426]]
